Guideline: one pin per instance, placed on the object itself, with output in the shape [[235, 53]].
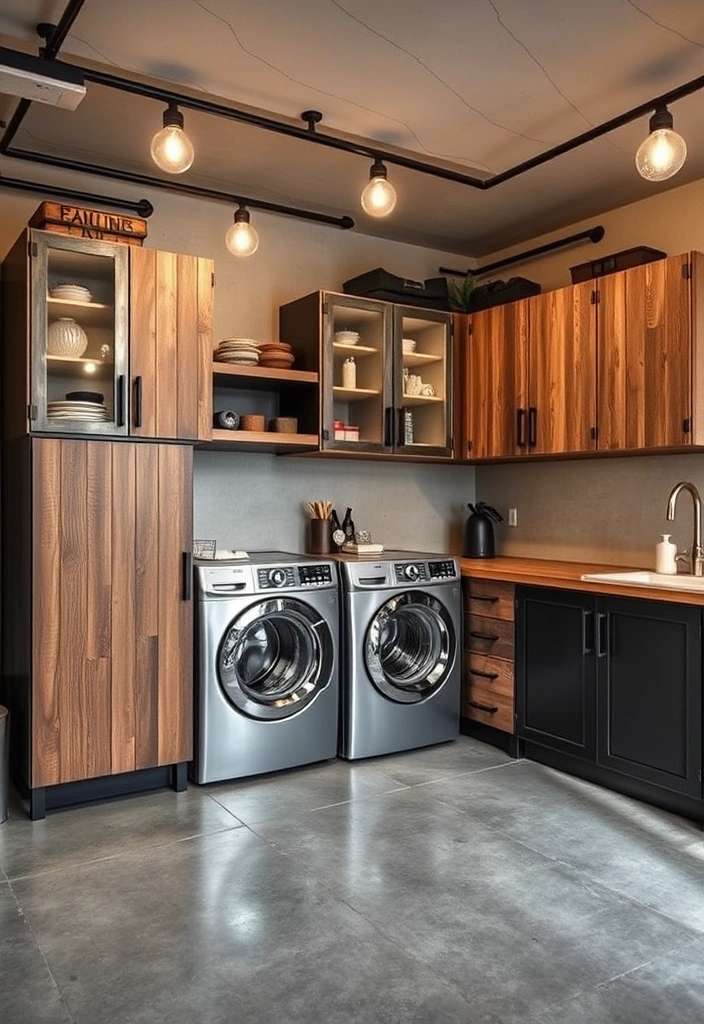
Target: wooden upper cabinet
[[111, 616], [171, 345], [495, 378], [561, 377]]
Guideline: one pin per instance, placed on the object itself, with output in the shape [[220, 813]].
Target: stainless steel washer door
[[275, 658], [410, 647]]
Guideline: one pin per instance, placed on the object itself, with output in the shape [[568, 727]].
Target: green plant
[[460, 293]]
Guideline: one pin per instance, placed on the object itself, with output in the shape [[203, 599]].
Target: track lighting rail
[[142, 207], [594, 234]]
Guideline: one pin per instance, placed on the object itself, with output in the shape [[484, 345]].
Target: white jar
[[665, 556], [66, 337], [349, 374]]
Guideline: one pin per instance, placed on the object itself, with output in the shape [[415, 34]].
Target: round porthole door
[[410, 647], [275, 658]]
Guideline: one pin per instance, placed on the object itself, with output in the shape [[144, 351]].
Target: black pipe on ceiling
[[594, 234], [142, 207]]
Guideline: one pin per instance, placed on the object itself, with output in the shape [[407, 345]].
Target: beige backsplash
[[608, 510]]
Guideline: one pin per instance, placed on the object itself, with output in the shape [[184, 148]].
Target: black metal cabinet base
[[506, 741], [50, 798], [613, 684]]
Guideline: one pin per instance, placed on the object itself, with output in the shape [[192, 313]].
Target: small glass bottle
[[349, 374]]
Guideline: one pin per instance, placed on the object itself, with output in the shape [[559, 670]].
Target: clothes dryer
[[401, 668], [267, 633]]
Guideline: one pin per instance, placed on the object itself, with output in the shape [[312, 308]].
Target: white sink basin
[[643, 578]]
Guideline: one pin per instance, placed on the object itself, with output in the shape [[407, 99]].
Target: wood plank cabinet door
[[611, 361], [562, 371], [496, 381], [111, 613], [171, 345]]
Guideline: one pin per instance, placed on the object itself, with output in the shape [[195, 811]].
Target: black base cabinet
[[611, 688]]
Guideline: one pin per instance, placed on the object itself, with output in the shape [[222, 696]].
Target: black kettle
[[479, 531]]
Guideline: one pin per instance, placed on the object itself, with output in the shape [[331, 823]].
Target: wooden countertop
[[544, 572]]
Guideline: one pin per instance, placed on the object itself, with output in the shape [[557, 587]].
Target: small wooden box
[[81, 221]]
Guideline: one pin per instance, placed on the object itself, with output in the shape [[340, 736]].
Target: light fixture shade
[[172, 151], [242, 239], [378, 195], [664, 152]]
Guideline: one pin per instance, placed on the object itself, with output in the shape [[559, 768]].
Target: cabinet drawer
[[494, 673], [494, 598], [488, 636], [482, 704]]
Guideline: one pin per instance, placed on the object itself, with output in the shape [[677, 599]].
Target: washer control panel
[[276, 578], [315, 575], [411, 572], [444, 570]]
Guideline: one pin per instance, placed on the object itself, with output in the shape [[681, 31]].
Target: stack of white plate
[[243, 351], [87, 412], [73, 292]]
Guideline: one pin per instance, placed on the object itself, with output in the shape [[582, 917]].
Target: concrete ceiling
[[480, 85]]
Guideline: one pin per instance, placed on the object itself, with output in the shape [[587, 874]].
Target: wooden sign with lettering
[[86, 223]]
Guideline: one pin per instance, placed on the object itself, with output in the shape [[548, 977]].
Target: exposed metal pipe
[[142, 207], [181, 187], [594, 234]]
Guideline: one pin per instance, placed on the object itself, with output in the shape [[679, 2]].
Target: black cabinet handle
[[484, 636], [520, 428], [138, 401], [482, 597], [587, 632], [602, 635], [388, 426], [482, 707], [187, 576], [120, 411], [484, 675], [532, 426]]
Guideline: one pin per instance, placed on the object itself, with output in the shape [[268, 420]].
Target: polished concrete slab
[[449, 884]]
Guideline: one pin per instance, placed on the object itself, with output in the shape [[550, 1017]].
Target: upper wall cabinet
[[611, 364], [109, 339], [386, 373]]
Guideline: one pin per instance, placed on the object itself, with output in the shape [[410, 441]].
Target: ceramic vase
[[65, 337]]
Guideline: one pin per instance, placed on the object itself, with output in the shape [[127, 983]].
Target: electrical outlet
[[513, 517]]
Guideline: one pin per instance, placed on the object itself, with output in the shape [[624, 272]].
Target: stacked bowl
[[242, 351], [277, 354]]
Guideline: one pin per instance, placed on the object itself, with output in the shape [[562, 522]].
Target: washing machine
[[401, 668], [267, 651]]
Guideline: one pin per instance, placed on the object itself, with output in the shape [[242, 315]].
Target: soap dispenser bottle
[[665, 556]]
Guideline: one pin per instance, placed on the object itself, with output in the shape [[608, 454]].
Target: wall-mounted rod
[[182, 187], [594, 234], [142, 207]]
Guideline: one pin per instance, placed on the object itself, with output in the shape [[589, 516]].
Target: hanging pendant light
[[378, 195], [171, 149], [663, 153], [242, 239]]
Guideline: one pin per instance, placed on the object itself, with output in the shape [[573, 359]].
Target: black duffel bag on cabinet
[[380, 284]]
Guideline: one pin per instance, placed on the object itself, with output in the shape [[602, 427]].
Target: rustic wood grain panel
[[205, 349], [123, 697], [98, 628], [74, 695], [167, 345], [489, 636], [187, 339], [484, 704], [697, 329], [493, 598], [146, 679], [611, 361], [495, 384], [175, 614], [496, 674], [46, 612], [143, 337], [562, 369]]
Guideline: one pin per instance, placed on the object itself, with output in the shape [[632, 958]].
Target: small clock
[[338, 537]]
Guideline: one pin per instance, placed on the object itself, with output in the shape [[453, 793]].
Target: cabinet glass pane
[[78, 335], [424, 359], [357, 375]]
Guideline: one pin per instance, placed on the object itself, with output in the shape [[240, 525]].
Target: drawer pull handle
[[484, 675], [484, 636], [482, 597], [482, 707]]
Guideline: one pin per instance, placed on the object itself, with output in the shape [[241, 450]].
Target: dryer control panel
[[444, 570], [315, 575], [411, 572], [275, 578]]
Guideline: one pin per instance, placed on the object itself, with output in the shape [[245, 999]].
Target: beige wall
[[607, 509]]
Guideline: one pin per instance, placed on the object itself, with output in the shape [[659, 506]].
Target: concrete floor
[[443, 885]]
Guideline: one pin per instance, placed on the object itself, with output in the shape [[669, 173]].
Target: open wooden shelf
[[267, 378], [261, 441], [354, 394]]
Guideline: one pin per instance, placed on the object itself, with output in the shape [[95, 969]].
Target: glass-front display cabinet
[[79, 295], [423, 381]]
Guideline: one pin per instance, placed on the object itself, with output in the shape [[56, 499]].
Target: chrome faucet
[[696, 556]]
